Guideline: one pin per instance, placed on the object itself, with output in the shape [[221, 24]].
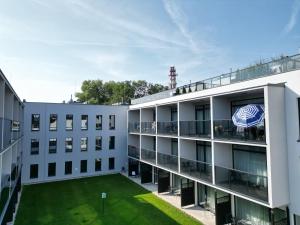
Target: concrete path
[[204, 216]]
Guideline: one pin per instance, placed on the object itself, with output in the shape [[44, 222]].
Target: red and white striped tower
[[172, 76]]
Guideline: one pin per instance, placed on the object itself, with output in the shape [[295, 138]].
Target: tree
[[99, 92]]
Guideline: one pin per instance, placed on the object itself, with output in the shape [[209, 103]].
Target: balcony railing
[[148, 127], [148, 155], [198, 128], [196, 169], [252, 185], [277, 66], [133, 152], [11, 132], [225, 129], [167, 128], [134, 127], [167, 161]]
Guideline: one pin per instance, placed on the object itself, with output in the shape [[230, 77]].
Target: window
[[34, 147], [69, 122], [111, 163], [69, 144], [34, 171], [98, 145], [53, 122], [35, 122], [68, 167], [112, 120], [84, 122], [83, 166], [98, 122], [51, 169], [111, 142], [98, 164], [52, 145], [83, 144]]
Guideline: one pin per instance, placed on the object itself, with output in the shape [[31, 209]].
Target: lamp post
[[103, 196]]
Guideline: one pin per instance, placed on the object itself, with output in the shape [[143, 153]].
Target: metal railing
[[196, 169], [225, 129], [134, 127], [167, 128], [249, 184], [133, 151], [148, 127], [167, 161], [276, 66], [148, 155], [197, 128]]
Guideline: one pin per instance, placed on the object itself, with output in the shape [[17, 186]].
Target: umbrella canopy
[[248, 116]]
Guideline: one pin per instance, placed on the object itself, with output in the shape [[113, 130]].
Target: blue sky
[[47, 48]]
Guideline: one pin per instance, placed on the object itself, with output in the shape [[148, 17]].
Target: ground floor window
[[34, 171], [111, 163], [249, 211], [83, 166], [68, 167], [206, 197], [51, 169], [98, 164], [297, 219]]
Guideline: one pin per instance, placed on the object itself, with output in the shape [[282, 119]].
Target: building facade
[[64, 141], [11, 140], [185, 141]]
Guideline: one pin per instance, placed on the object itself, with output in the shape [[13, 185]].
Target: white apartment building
[[11, 122], [185, 141], [63, 141]]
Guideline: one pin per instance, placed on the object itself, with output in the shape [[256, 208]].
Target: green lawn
[[78, 202]]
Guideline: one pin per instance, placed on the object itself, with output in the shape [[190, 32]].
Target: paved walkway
[[204, 216]]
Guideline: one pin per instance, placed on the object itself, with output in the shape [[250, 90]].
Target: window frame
[[87, 122], [83, 165], [39, 122], [100, 145], [38, 148], [66, 149], [86, 148], [31, 173], [114, 143], [66, 127], [52, 140], [112, 126], [67, 172], [97, 168], [100, 122], [109, 163], [51, 164], [56, 117]]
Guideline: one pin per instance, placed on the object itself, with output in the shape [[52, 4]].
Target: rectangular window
[[35, 144], [98, 164], [83, 166], [52, 145], [69, 122], [84, 122], [34, 171], [35, 122], [68, 167], [112, 121], [98, 122], [98, 145], [51, 169], [69, 144], [53, 122], [111, 163], [111, 142], [83, 144]]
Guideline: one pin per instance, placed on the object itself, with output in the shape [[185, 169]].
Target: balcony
[[148, 127], [11, 132], [148, 155], [252, 185], [134, 127], [198, 128], [167, 161], [196, 169], [225, 129], [167, 128], [133, 152]]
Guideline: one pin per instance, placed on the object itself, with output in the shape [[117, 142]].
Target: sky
[[47, 48]]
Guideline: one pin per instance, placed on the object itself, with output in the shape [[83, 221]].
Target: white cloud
[[293, 17]]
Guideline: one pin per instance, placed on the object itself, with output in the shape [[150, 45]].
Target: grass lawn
[[78, 202]]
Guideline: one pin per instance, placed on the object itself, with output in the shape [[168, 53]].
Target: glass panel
[[148, 127], [195, 128], [167, 128], [196, 169], [133, 152], [98, 143], [52, 145], [69, 144], [112, 122], [69, 122], [98, 122], [84, 144], [167, 161], [84, 122], [148, 155], [53, 122], [35, 122]]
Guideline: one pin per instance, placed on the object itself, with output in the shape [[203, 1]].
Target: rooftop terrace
[[282, 65]]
